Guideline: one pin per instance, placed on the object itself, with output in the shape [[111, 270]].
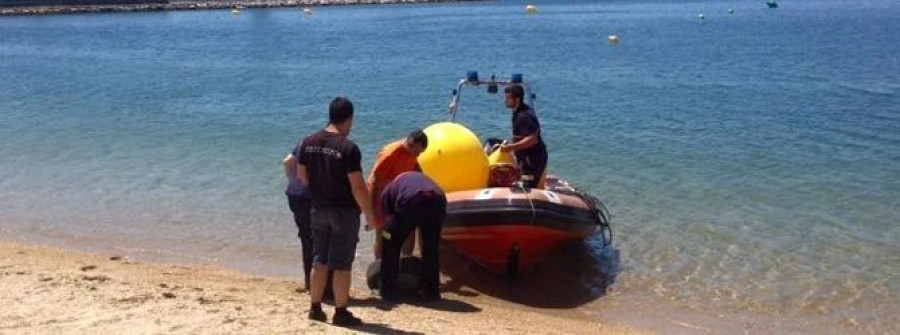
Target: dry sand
[[46, 290]]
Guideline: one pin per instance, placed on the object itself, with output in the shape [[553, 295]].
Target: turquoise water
[[751, 160]]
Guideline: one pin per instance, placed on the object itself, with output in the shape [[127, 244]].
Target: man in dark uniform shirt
[[411, 201], [529, 148], [329, 164]]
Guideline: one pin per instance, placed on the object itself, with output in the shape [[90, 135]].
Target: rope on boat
[[603, 215]]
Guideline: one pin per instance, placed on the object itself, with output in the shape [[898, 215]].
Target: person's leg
[[378, 245], [532, 168], [393, 238], [317, 289], [409, 244], [341, 284], [319, 275], [301, 209], [321, 239], [431, 237], [341, 252]]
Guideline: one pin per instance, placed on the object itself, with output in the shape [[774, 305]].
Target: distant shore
[[101, 6]]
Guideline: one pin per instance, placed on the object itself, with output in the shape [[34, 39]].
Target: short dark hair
[[515, 90], [418, 137], [340, 110]]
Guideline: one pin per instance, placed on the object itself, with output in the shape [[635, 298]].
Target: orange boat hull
[[493, 246]]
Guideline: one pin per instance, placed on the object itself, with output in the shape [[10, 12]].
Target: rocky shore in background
[[64, 7]]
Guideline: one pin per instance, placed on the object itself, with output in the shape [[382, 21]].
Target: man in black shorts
[[329, 164], [526, 142]]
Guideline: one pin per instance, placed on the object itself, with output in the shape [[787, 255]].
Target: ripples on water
[[751, 160]]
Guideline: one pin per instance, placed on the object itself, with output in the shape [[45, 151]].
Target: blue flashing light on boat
[[516, 78], [472, 76]]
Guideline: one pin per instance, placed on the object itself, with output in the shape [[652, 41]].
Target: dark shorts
[[532, 167], [335, 234]]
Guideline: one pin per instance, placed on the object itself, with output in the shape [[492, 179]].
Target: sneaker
[[317, 314], [344, 318]]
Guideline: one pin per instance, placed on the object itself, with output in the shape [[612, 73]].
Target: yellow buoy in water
[[612, 39], [531, 8], [454, 158]]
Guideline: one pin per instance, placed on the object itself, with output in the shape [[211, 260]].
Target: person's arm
[[524, 143], [299, 165], [525, 124], [290, 166], [361, 195], [302, 175]]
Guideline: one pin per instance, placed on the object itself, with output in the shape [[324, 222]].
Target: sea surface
[[750, 158]]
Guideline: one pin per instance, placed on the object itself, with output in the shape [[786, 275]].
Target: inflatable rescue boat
[[491, 219]]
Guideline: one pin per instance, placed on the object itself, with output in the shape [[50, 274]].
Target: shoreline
[[179, 5], [50, 290]]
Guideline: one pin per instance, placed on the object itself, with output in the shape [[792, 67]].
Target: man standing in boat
[[410, 201], [526, 142], [329, 164], [395, 158]]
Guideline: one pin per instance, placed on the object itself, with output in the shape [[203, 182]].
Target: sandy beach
[[47, 290]]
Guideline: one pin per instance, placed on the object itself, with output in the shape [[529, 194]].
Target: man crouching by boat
[[395, 158], [410, 201]]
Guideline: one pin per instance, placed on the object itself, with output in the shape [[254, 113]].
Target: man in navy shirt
[[411, 201], [526, 142]]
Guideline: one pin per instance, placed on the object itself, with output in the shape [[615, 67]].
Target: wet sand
[[48, 290]]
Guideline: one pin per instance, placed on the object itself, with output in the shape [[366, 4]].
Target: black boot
[[343, 317]]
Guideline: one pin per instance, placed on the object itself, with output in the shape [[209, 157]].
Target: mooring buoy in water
[[531, 8], [612, 39], [701, 16], [730, 10], [307, 11]]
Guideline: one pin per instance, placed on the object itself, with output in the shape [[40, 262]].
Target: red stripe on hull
[[490, 246]]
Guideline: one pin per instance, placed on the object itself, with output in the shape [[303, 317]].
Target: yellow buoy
[[531, 9], [454, 158], [500, 157]]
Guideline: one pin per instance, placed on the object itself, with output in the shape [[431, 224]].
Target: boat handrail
[[472, 79]]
